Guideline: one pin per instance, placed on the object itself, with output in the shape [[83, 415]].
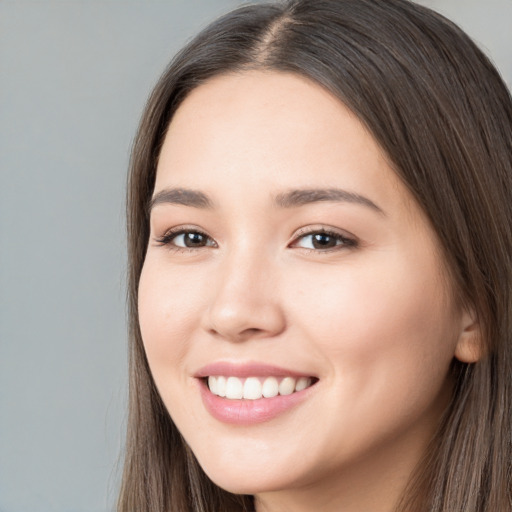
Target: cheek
[[168, 304], [385, 327], [386, 334]]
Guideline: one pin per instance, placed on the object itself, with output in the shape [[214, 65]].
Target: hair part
[[443, 116]]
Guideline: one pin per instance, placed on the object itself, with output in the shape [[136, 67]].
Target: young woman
[[319, 215]]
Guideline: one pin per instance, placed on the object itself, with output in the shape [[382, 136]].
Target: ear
[[469, 348]]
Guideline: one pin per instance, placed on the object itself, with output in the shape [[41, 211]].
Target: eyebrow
[[290, 199], [183, 196], [294, 198]]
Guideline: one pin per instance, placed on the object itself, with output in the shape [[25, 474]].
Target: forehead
[[259, 128]]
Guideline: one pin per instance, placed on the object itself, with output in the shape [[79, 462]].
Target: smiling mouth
[[255, 388]]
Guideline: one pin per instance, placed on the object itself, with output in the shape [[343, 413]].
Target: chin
[[243, 478], [247, 483]]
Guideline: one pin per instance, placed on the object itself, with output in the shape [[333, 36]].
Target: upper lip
[[248, 369]]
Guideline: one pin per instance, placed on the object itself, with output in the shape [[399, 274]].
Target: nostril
[[238, 336]]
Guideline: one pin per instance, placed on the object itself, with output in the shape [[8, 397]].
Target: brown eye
[[323, 241], [187, 239], [193, 239]]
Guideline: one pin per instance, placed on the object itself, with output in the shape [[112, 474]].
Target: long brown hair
[[442, 114]]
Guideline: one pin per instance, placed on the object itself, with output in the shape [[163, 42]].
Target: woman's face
[[284, 251]]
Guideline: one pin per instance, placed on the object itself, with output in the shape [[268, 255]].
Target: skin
[[374, 320]]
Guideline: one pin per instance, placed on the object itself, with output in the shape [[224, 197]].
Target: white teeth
[[270, 387], [221, 386], [287, 386], [302, 383], [234, 388], [212, 384], [254, 388]]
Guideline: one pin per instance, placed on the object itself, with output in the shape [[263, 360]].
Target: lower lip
[[249, 412]]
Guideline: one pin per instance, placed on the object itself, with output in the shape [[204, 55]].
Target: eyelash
[[345, 241], [172, 234]]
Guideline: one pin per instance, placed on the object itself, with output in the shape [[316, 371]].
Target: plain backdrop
[[74, 76]]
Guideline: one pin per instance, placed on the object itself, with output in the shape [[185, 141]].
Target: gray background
[[74, 76]]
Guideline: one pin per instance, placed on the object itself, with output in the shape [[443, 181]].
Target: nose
[[244, 303]]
